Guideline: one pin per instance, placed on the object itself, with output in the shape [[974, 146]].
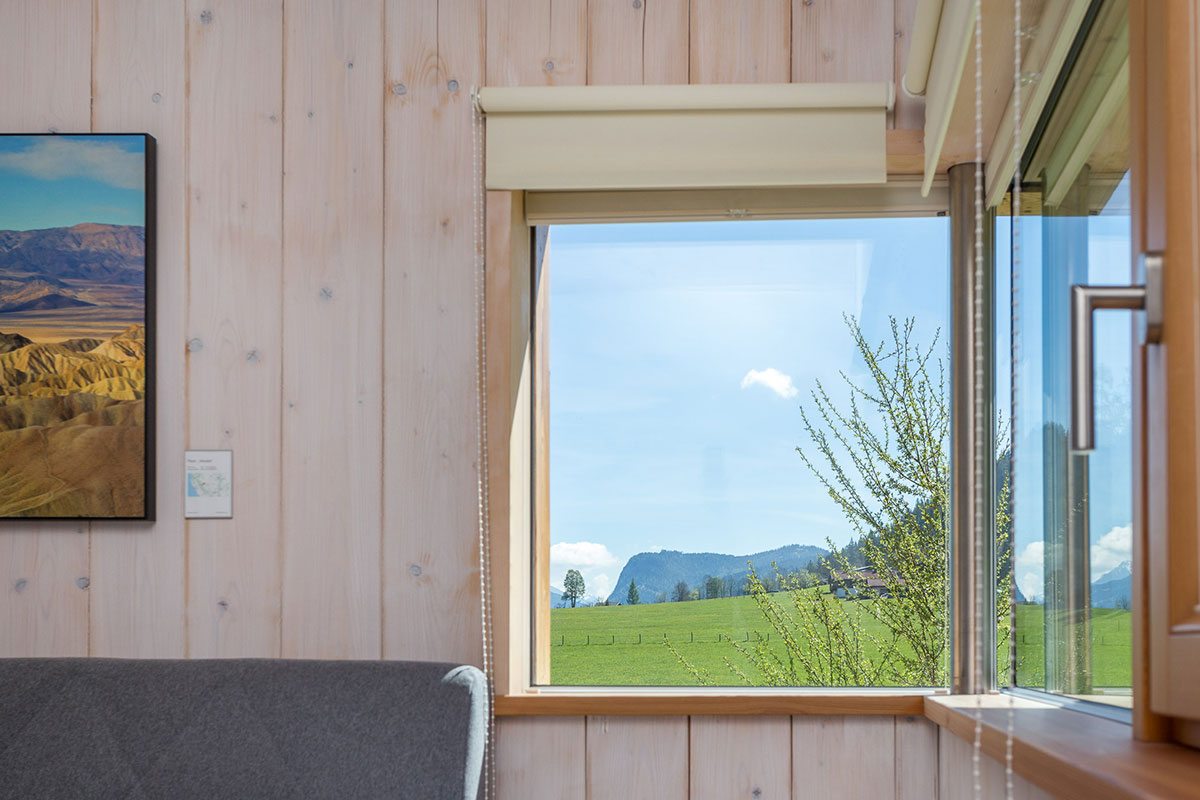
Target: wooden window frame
[[518, 430], [1165, 189]]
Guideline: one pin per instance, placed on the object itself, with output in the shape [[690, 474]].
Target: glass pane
[[747, 449], [1073, 511]]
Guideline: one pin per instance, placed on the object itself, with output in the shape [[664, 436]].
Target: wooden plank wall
[[717, 758], [315, 313], [956, 774]]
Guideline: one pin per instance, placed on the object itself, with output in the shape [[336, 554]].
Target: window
[[743, 465], [1073, 510]]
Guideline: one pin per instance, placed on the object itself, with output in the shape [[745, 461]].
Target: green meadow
[[624, 645]]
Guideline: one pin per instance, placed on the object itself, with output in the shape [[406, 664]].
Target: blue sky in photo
[[59, 181], [680, 356]]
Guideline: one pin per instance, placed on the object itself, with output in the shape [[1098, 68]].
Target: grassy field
[[623, 645], [1112, 647]]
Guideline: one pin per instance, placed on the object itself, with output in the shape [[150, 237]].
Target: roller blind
[[572, 138]]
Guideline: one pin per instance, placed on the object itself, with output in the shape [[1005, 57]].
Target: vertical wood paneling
[[744, 42], [332, 318], [916, 759], [847, 756], [665, 42], [234, 356], [137, 570], [747, 757], [637, 757], [630, 43], [956, 774], [535, 42], [45, 566], [955, 767], [540, 757], [615, 32], [46, 63], [45, 610], [842, 40], [431, 566]]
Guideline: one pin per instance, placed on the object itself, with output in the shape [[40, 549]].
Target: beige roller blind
[[572, 138]]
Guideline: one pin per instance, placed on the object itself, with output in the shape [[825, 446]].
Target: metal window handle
[[1085, 300]]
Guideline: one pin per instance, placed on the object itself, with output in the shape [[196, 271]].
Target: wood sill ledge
[[665, 703], [1071, 754]]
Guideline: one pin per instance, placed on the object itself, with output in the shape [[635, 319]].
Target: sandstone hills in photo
[[72, 371]]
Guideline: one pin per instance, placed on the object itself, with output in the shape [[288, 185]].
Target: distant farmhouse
[[860, 582]]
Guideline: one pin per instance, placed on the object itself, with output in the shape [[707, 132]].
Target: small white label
[[208, 484]]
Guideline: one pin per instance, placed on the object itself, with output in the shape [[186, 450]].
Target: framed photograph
[[76, 326]]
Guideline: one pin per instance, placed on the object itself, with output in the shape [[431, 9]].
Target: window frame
[[1060, 138], [517, 417]]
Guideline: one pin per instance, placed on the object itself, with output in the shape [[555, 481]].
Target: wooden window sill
[[1069, 753], [635, 702]]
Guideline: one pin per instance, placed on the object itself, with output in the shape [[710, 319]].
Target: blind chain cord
[[481, 433]]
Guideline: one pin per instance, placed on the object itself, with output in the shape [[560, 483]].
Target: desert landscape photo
[[72, 326]]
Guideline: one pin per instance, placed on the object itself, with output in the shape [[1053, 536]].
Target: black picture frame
[[150, 397]]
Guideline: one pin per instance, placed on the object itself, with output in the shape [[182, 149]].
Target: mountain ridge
[[89, 251], [657, 573]]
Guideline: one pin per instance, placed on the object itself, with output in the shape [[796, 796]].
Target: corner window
[[1072, 555], [742, 460]]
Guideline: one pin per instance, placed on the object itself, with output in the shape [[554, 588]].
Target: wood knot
[[206, 17], [20, 584]]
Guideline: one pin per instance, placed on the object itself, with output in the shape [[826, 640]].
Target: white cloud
[[54, 158], [600, 586], [591, 559], [1111, 549], [581, 554], [778, 382], [1030, 570]]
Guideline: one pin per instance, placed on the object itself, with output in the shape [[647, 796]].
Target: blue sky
[[58, 181], [680, 356]]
